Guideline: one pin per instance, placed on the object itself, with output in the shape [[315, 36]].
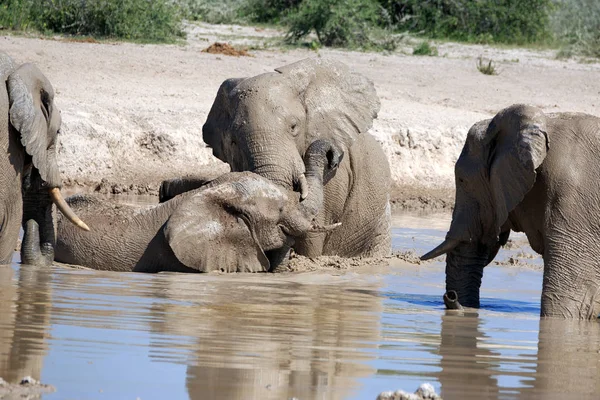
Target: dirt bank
[[132, 114]]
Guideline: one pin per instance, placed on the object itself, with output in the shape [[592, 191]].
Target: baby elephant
[[239, 222]]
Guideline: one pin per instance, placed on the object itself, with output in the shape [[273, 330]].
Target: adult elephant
[[236, 223], [29, 178], [265, 123], [536, 173]]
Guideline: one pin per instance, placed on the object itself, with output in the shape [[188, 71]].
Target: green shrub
[[144, 20], [214, 11], [268, 11], [576, 24], [425, 49], [500, 21], [341, 23], [488, 68]]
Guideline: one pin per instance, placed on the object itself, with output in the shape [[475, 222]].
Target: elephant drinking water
[[537, 173]]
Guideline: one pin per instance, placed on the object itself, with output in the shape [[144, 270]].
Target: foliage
[[268, 11], [425, 49], [145, 20], [486, 68], [214, 11], [341, 23], [484, 21], [576, 24]]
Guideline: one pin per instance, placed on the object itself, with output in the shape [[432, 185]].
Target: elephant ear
[[215, 131], [34, 115], [518, 143], [7, 66], [207, 233], [340, 104]]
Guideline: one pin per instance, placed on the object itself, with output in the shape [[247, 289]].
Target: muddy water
[[98, 335]]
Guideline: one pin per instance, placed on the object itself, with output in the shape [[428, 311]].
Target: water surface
[[317, 335]]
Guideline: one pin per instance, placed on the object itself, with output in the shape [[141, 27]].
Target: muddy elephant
[[236, 223], [537, 173], [30, 181], [265, 123]]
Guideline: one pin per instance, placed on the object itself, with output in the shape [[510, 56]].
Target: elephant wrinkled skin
[[239, 222], [265, 123], [537, 173], [29, 176]]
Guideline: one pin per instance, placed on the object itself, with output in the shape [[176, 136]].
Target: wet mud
[[332, 332]]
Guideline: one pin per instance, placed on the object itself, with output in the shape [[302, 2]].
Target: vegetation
[[140, 20], [574, 25], [486, 68], [425, 49]]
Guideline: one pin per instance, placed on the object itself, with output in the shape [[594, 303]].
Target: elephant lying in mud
[[238, 222], [265, 123], [536, 173], [29, 178]]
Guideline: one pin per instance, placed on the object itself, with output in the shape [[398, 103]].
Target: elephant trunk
[[39, 235], [464, 270], [280, 164], [38, 220], [321, 160]]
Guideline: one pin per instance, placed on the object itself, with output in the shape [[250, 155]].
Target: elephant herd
[[307, 176]]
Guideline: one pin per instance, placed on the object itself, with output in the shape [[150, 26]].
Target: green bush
[[214, 11], [144, 20], [576, 24], [425, 49], [341, 23], [268, 11], [496, 21]]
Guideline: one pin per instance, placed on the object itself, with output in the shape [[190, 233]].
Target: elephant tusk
[[303, 186], [64, 208], [451, 300], [443, 248], [324, 228]]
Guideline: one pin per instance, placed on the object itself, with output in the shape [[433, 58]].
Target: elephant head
[[244, 217], [496, 169], [265, 123], [35, 120]]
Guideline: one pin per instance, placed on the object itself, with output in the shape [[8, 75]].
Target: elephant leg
[[279, 259], [172, 187]]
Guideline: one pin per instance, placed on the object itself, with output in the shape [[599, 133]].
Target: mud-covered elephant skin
[[29, 176], [239, 222], [537, 173], [265, 123]]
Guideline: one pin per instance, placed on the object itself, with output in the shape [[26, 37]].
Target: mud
[[424, 392], [27, 388], [226, 49]]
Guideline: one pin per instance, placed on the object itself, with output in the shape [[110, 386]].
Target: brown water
[[102, 335]]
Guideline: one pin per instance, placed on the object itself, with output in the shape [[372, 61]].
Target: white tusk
[[303, 186], [64, 208], [324, 228], [443, 248]]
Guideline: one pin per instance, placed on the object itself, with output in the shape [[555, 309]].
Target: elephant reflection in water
[[24, 317], [465, 365], [272, 342], [567, 362]]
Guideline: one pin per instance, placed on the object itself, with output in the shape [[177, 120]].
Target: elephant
[[30, 180], [236, 223], [265, 123], [528, 171]]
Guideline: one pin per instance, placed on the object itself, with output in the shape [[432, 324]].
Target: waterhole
[[315, 335]]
